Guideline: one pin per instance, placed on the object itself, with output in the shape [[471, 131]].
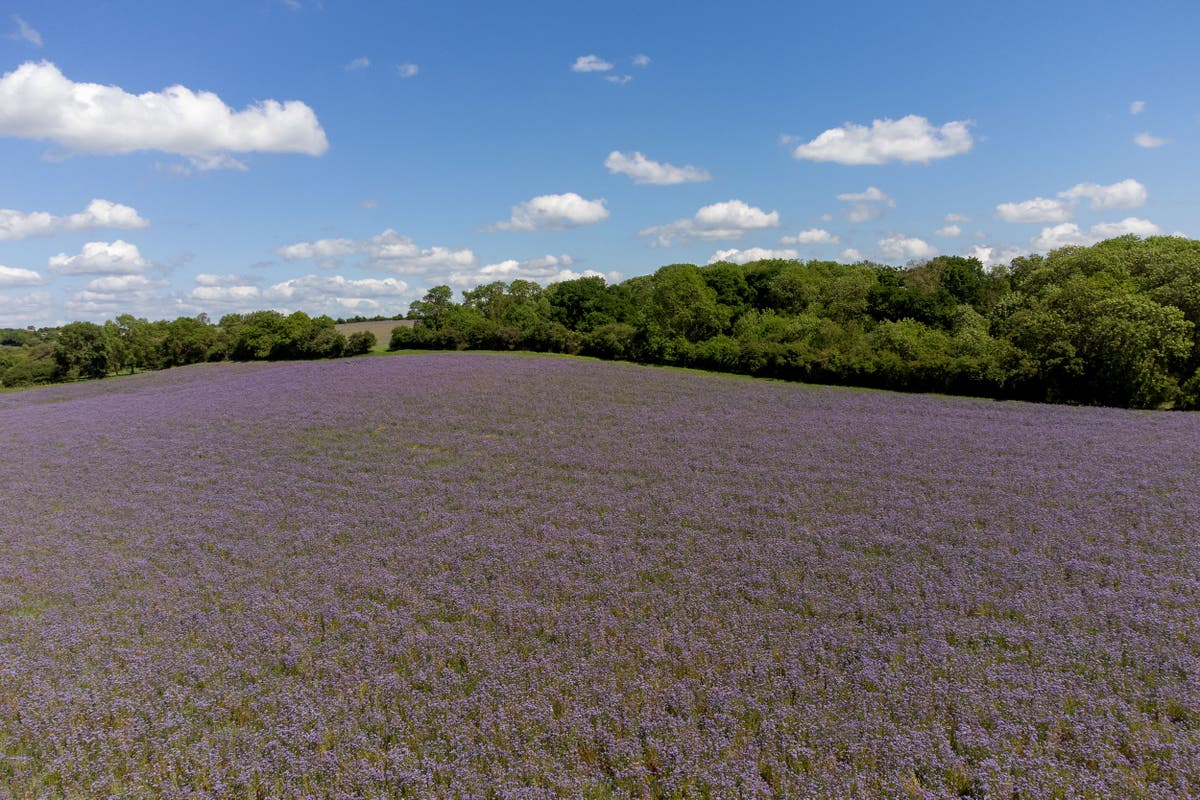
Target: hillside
[[460, 575]]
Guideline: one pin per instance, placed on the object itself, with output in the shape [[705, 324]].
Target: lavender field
[[487, 576]]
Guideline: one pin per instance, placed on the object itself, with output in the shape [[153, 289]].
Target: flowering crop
[[481, 576]]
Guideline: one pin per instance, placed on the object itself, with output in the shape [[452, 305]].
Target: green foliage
[[360, 343], [1114, 324]]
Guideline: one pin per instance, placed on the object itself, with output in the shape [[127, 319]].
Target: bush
[[359, 343]]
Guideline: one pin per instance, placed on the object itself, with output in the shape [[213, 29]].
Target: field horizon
[[489, 575]]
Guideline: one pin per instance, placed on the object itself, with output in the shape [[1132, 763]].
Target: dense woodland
[[1111, 324]]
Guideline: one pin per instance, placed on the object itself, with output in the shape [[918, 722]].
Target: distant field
[[462, 575], [382, 330]]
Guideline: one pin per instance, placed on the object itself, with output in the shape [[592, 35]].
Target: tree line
[[82, 350], [1111, 324]]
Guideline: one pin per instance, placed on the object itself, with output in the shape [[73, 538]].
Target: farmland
[[463, 575]]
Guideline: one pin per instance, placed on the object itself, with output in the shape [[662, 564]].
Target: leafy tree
[[82, 350]]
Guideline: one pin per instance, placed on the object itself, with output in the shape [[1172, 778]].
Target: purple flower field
[[490, 576]]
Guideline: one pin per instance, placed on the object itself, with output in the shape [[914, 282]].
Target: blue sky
[[168, 159]]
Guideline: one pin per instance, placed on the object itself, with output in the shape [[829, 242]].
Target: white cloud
[[1039, 209], [101, 258], [391, 252], [643, 170], [620, 80], [850, 255], [641, 60], [25, 32], [901, 247], [1138, 227], [98, 214], [17, 276], [811, 236], [871, 194], [117, 294], [1137, 106], [328, 249], [993, 256], [952, 217], [867, 205], [590, 63], [407, 70], [362, 62], [826, 218], [1123, 194], [237, 296], [544, 271], [552, 212], [317, 288], [1069, 233], [120, 283], [1149, 140], [38, 102], [911, 138], [29, 309], [209, 279], [751, 254], [727, 220], [949, 231]]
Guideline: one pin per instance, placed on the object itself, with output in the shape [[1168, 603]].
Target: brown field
[[382, 329]]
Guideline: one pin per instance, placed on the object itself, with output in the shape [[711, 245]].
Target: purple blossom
[[475, 576]]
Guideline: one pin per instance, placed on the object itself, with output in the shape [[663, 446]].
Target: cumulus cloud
[[994, 256], [1148, 140], [750, 254], [1069, 233], [1137, 106], [590, 63], [952, 217], [544, 271], [727, 220], [620, 80], [948, 232], [811, 236], [21, 310], [866, 205], [407, 70], [909, 139], [335, 295], [1123, 194], [391, 252], [850, 256], [98, 214], [900, 247], [26, 33], [871, 194], [388, 251], [116, 294], [553, 212], [1039, 209], [349, 292], [641, 60], [17, 276], [643, 170], [101, 258], [322, 249], [38, 102], [362, 62]]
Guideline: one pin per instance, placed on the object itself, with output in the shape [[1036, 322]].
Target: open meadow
[[492, 576]]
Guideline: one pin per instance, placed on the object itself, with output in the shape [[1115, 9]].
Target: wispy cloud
[[25, 32], [644, 170]]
